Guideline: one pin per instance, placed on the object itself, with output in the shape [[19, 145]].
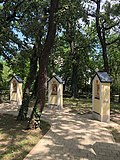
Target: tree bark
[[119, 97], [34, 120], [43, 54], [101, 35], [26, 94], [37, 52], [74, 81], [74, 70], [1, 98], [43, 61], [1, 82]]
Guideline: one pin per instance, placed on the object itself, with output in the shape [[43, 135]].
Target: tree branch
[[92, 15], [108, 28], [5, 56], [117, 39], [13, 15], [94, 1]]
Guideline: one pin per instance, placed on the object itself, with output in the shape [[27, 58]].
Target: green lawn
[[15, 141], [79, 106]]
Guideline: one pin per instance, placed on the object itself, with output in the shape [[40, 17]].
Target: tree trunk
[[34, 121], [43, 61], [37, 49], [1, 98], [101, 36], [26, 94], [43, 64], [105, 57], [74, 70], [74, 81], [1, 82]]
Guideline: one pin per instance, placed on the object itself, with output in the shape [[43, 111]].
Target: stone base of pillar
[[53, 106], [102, 118]]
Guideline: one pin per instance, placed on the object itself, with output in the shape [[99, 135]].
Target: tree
[[106, 22], [114, 59], [1, 69], [44, 57], [71, 24], [36, 34], [10, 43], [43, 62], [30, 78]]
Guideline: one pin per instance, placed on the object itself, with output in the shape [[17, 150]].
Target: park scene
[[59, 80]]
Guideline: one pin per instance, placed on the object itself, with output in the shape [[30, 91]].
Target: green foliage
[[24, 24], [6, 76], [114, 59], [1, 70]]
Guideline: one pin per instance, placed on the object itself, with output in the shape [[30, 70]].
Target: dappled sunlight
[[71, 137], [15, 140], [9, 108]]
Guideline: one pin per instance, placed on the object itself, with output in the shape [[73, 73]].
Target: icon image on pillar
[[14, 86], [54, 89], [97, 90]]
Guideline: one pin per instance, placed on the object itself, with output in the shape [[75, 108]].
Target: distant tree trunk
[[70, 33], [101, 34], [1, 69], [26, 94], [43, 60], [74, 81], [119, 95], [1, 98], [74, 71]]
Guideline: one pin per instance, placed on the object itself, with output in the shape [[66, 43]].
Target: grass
[[15, 141], [79, 106]]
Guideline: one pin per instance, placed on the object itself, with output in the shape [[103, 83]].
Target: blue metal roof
[[104, 77], [18, 78], [57, 78]]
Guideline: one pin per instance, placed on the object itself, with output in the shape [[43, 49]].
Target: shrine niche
[[101, 96], [55, 91], [14, 86], [54, 88], [16, 89]]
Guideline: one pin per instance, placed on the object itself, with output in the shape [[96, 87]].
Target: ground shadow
[[71, 137], [108, 150], [14, 137]]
